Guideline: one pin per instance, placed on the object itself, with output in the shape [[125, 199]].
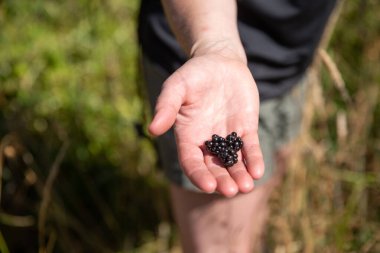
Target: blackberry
[[215, 137], [225, 148]]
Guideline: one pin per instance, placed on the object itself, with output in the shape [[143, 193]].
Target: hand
[[212, 93]]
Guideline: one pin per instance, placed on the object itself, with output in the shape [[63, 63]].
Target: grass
[[69, 81]]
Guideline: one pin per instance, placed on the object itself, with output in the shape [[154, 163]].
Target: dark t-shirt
[[279, 37]]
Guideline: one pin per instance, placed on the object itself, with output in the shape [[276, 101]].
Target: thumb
[[168, 104]]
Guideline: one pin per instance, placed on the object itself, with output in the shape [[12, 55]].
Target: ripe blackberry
[[225, 148]]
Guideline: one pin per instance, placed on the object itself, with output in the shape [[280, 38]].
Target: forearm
[[204, 26]]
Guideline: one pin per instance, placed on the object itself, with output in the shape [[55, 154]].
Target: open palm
[[209, 95]]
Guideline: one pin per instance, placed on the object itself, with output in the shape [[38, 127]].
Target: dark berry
[[231, 151], [222, 155], [225, 148], [229, 163], [215, 137]]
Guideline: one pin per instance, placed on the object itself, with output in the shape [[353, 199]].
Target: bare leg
[[263, 211], [212, 223]]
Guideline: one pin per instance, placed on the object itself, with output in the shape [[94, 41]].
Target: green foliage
[[75, 68], [69, 74]]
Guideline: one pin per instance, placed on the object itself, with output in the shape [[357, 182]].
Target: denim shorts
[[279, 123]]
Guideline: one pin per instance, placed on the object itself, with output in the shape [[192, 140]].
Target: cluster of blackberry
[[225, 148]]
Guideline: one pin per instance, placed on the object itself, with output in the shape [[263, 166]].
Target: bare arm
[[201, 26], [213, 92]]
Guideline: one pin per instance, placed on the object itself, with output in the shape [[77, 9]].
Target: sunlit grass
[[69, 74]]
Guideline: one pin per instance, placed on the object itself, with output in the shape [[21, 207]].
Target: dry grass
[[107, 197], [323, 205]]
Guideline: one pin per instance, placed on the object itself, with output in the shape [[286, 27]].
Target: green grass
[[69, 74]]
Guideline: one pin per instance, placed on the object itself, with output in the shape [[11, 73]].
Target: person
[[218, 66]]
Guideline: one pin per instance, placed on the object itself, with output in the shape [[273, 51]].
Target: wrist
[[223, 47]]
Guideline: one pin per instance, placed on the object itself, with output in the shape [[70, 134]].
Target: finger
[[241, 177], [225, 184], [192, 163], [168, 105], [162, 121], [253, 156]]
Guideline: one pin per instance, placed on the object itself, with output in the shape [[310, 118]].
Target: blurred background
[[79, 173]]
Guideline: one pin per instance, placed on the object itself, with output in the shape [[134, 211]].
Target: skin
[[213, 92], [201, 103]]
